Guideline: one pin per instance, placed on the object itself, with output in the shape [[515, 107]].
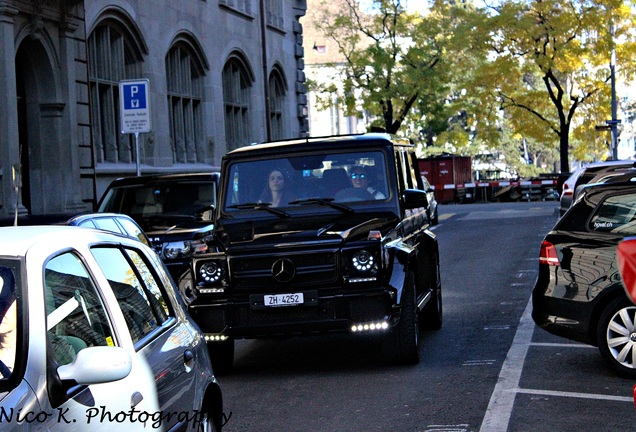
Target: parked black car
[[174, 210], [303, 251], [578, 293]]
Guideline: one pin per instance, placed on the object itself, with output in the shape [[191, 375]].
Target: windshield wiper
[[260, 206], [326, 202]]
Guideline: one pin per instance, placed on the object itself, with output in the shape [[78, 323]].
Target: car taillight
[[548, 254]]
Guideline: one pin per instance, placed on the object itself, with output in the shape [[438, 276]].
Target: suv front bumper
[[247, 317]]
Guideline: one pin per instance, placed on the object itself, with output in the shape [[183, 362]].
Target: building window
[[239, 5], [236, 98], [275, 13], [111, 59], [185, 102], [276, 104]]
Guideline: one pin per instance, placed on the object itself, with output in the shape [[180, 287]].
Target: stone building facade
[[222, 74]]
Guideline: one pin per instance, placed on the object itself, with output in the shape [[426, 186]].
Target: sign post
[[135, 110]]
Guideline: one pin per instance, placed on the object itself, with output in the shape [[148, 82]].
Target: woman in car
[[275, 191]]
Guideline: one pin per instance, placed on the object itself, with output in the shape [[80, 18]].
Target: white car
[[94, 337]]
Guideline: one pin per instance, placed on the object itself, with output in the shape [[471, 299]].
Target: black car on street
[[174, 210], [320, 235], [578, 293]]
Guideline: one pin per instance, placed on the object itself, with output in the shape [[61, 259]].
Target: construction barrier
[[494, 191]]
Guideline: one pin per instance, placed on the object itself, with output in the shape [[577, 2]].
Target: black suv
[[174, 210], [320, 235]]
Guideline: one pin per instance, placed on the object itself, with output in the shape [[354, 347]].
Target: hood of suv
[[323, 228], [164, 228]]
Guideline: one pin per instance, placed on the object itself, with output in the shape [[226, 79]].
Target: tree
[[550, 66], [390, 59]]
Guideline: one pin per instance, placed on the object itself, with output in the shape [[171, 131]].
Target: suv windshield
[[170, 199], [321, 179]]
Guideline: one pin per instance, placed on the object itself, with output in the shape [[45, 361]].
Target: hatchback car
[[174, 210], [94, 336], [578, 293], [584, 175]]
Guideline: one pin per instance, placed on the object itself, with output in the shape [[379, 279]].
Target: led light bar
[[215, 338], [371, 326]]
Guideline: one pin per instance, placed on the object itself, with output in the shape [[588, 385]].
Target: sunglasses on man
[[358, 175]]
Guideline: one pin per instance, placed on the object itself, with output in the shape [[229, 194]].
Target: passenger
[[360, 179], [275, 192], [8, 322]]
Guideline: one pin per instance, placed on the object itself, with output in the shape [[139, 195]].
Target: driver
[[360, 179]]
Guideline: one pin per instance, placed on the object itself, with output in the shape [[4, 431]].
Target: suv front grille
[[308, 269]]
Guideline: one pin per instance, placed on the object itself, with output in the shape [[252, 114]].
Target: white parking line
[[502, 400]]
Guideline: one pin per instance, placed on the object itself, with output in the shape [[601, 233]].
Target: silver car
[[94, 337]]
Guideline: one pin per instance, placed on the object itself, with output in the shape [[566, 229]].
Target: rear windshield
[[159, 199], [283, 182], [616, 215]]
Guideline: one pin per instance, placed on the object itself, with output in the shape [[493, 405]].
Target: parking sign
[[134, 106]]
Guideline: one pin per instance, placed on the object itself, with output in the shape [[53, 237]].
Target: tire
[[431, 317], [207, 422], [616, 336], [222, 356], [403, 345], [435, 218]]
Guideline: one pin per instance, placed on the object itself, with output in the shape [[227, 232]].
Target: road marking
[[478, 362], [447, 428], [562, 345], [576, 395], [446, 216], [497, 327], [502, 400]]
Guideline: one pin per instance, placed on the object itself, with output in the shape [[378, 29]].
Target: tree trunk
[[563, 148]]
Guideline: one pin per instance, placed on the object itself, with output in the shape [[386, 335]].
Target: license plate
[[283, 299]]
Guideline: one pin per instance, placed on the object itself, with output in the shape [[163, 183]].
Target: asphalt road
[[489, 369]]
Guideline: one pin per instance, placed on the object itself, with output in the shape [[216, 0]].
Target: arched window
[[185, 103], [112, 58], [236, 99], [276, 104]]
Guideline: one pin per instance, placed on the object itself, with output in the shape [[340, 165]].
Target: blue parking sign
[[134, 106], [134, 96]]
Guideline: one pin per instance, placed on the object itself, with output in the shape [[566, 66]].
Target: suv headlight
[[172, 250], [362, 265], [363, 261], [211, 276]]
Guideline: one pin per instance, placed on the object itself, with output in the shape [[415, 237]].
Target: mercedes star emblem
[[283, 270]]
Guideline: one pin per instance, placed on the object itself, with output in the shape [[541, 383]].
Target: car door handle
[[135, 399], [188, 356]]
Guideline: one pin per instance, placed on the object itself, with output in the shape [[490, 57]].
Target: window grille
[[236, 98], [185, 101], [111, 60], [276, 103]]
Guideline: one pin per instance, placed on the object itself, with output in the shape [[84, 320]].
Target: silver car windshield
[[320, 179]]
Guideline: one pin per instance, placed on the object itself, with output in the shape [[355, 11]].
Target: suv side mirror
[[414, 198]]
